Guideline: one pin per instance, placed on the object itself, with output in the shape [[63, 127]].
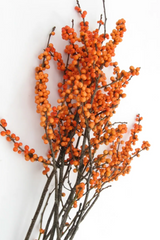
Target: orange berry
[[26, 147], [41, 230], [8, 139], [123, 95], [16, 144], [27, 157], [40, 159], [43, 119], [3, 122], [35, 156], [15, 149], [51, 120], [3, 133], [8, 132], [32, 150], [17, 138], [75, 204], [13, 135], [59, 85], [83, 77], [46, 141]]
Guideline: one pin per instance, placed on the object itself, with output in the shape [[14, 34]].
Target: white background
[[130, 208]]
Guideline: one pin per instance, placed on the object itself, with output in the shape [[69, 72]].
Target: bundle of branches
[[76, 128]]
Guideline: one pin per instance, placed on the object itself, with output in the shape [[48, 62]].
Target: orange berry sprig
[[29, 154], [11, 137], [111, 164]]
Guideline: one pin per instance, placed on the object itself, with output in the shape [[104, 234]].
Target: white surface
[[128, 210]]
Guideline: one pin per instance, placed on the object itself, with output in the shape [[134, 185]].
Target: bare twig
[[105, 18]]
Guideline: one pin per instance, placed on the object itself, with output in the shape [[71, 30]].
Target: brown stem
[[45, 236], [105, 18], [39, 205]]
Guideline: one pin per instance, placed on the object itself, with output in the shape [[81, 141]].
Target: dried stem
[[39, 205], [105, 18]]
